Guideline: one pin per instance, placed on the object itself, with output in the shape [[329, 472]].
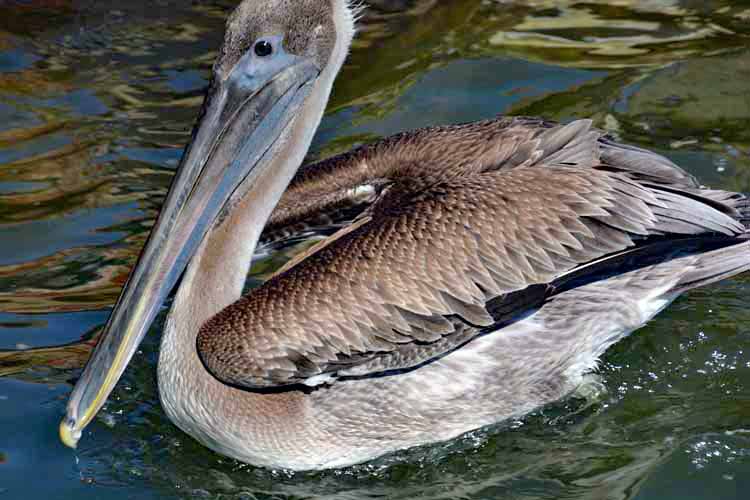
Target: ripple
[[97, 100]]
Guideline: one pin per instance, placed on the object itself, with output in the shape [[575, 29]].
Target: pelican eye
[[263, 48]]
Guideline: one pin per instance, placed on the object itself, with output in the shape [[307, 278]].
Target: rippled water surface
[[96, 102]]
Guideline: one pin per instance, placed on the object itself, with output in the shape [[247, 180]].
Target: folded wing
[[446, 254]]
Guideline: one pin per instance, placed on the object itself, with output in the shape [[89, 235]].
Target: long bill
[[244, 116]]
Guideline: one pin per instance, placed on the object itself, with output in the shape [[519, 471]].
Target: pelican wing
[[332, 189], [440, 259]]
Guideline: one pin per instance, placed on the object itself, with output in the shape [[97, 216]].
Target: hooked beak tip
[[68, 435]]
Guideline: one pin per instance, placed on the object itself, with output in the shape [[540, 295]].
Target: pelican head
[[276, 68]]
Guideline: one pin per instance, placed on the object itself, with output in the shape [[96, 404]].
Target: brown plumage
[[321, 191], [467, 215]]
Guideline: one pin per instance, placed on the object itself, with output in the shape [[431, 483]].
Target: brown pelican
[[498, 262]]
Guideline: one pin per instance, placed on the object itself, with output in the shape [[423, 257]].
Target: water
[[96, 102]]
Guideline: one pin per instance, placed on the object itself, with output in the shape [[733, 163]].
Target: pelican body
[[495, 262]]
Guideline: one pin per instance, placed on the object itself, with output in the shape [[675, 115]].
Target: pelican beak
[[244, 117]]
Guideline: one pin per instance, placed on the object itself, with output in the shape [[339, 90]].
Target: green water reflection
[[96, 102]]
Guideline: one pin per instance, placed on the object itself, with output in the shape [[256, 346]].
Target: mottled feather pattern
[[480, 145], [320, 188], [467, 214]]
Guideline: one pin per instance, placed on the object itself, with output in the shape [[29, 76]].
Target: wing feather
[[407, 285]]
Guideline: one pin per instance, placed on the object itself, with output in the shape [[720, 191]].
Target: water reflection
[[622, 34], [97, 100]]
